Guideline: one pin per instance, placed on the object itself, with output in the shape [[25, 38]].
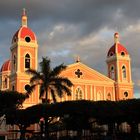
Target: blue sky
[[67, 28]]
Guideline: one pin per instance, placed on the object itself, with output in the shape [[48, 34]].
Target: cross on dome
[[24, 12], [24, 17], [116, 37]]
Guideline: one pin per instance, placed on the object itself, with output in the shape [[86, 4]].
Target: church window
[[109, 96], [27, 87], [99, 96], [27, 61], [79, 94], [111, 54], [126, 94], [27, 39], [14, 61], [78, 73], [13, 88], [124, 72], [5, 82], [112, 73], [122, 54]]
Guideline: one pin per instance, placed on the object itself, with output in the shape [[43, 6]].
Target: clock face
[[27, 39]]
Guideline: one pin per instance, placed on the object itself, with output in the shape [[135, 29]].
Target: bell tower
[[119, 69], [24, 55]]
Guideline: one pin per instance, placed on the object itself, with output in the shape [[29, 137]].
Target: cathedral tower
[[119, 69], [24, 55]]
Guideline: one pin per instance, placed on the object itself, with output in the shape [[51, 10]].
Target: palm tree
[[50, 82]]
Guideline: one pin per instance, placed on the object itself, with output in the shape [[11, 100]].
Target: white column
[[85, 92], [91, 94], [104, 98]]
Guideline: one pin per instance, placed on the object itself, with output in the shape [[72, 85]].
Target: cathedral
[[89, 84]]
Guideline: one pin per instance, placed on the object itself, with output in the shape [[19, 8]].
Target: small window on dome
[[122, 54], [15, 39], [27, 39], [111, 54]]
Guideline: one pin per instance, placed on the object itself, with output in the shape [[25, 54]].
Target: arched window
[[124, 72], [79, 94], [14, 62], [13, 88], [109, 96], [99, 96], [5, 82], [122, 54], [27, 61], [111, 54], [112, 73]]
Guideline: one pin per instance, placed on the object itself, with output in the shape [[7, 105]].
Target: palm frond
[[62, 80], [45, 66], [41, 91], [57, 70], [61, 89], [36, 78], [32, 71], [30, 90], [50, 80], [53, 96], [66, 81]]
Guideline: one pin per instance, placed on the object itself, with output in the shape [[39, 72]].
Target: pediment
[[81, 71]]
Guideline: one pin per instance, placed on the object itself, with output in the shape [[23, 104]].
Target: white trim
[[94, 90], [91, 94], [86, 92], [98, 93], [72, 93], [104, 93]]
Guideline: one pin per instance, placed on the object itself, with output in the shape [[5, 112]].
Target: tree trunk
[[134, 130], [79, 134], [47, 128], [22, 132]]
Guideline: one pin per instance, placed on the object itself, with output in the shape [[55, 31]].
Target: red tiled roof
[[23, 32], [117, 48], [6, 66]]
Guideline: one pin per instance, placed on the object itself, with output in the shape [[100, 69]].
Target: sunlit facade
[[89, 84]]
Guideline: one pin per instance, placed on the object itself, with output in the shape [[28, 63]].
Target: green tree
[[50, 82], [23, 118], [10, 100]]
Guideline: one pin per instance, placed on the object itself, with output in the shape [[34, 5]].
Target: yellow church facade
[[88, 83]]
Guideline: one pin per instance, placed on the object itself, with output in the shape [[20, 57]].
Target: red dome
[[6, 66], [117, 48], [24, 32]]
